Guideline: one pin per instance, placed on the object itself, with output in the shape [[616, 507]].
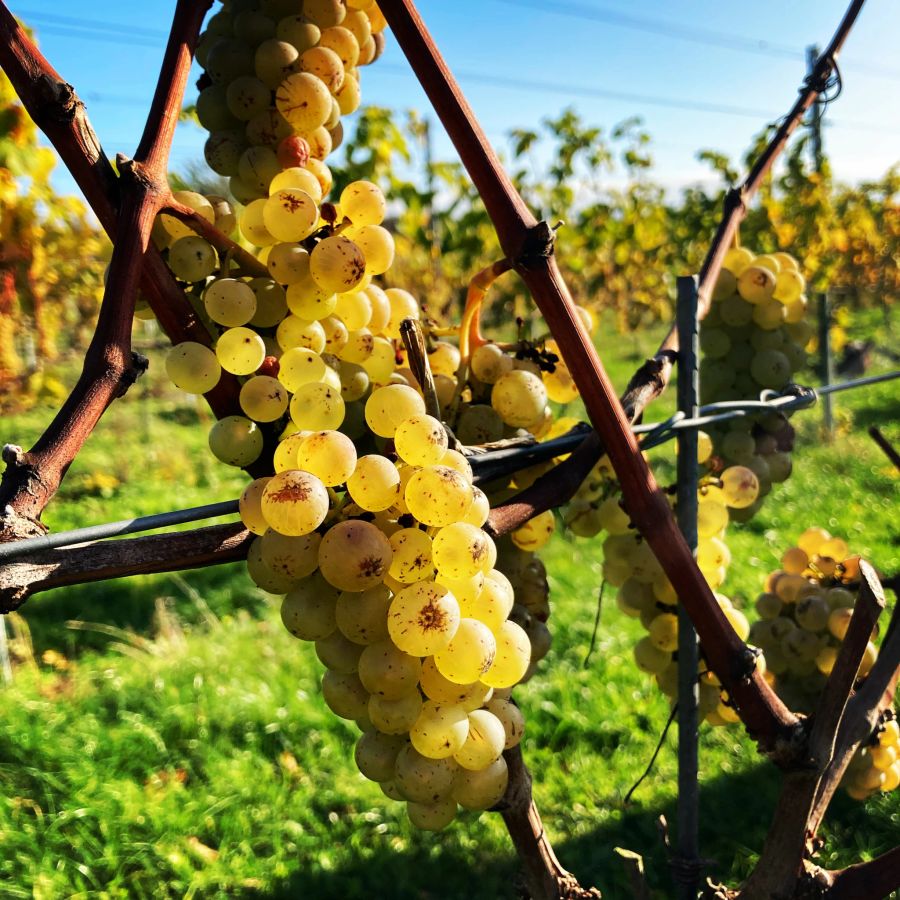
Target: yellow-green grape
[[354, 309], [345, 695], [285, 455], [328, 454], [484, 743], [612, 517], [167, 229], [337, 264], [395, 716], [240, 351], [363, 203], [432, 816], [704, 447], [343, 42], [402, 306], [461, 550], [317, 407], [252, 223], [376, 754], [306, 300], [441, 690], [299, 366], [712, 515], [362, 617], [420, 440], [325, 64], [354, 555], [335, 335], [262, 576], [519, 397], [354, 382], [296, 557], [348, 96], [359, 347], [663, 632], [274, 60], [712, 552], [412, 555], [290, 215], [271, 305], [389, 406], [322, 174], [381, 308], [374, 484], [444, 359], [288, 263], [794, 561], [510, 717], [297, 178], [386, 671], [512, 657], [438, 496], [308, 609], [423, 618], [377, 245], [481, 789], [335, 652], [492, 605], [263, 398], [769, 606], [560, 385], [229, 302], [466, 590], [469, 654], [380, 364], [192, 259], [489, 363], [421, 779], [295, 502], [650, 658], [535, 533], [453, 459], [740, 486], [789, 286], [812, 613], [440, 731], [249, 507], [478, 512], [296, 332], [756, 284], [304, 100], [236, 441], [193, 368], [738, 622]]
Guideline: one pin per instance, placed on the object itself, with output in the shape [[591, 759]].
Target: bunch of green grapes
[[876, 764], [753, 339], [804, 611], [386, 567]]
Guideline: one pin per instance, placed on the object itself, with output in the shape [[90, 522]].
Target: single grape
[[420, 440], [236, 441], [329, 455], [295, 502], [470, 653], [354, 555], [423, 618], [263, 398], [193, 368]]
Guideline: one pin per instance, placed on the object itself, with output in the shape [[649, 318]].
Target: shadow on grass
[[735, 816], [130, 603]]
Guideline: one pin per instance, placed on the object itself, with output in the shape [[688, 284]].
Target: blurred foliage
[[624, 239], [52, 257]]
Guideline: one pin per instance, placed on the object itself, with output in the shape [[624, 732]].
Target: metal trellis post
[[687, 862], [826, 363]]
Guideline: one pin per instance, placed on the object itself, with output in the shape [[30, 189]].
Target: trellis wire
[[486, 466]]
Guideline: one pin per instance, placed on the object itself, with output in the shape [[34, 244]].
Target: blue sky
[[520, 61]]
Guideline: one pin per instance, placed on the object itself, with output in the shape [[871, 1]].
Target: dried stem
[[871, 880], [32, 478], [417, 353], [102, 560]]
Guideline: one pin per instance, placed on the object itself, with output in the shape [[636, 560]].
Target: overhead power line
[[696, 34]]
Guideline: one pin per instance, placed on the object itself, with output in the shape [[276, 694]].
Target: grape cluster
[[370, 525], [804, 611], [876, 765], [644, 591], [753, 339]]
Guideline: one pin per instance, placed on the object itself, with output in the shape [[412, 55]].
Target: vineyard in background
[[623, 247]]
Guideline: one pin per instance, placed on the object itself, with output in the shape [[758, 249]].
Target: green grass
[[189, 754]]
